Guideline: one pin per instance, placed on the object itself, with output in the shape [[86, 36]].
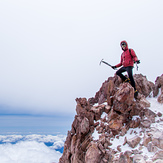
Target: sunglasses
[[123, 43]]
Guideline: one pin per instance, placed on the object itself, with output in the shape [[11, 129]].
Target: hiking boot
[[127, 80], [136, 94]]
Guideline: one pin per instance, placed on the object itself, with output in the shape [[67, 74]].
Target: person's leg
[[129, 71], [130, 75], [119, 73]]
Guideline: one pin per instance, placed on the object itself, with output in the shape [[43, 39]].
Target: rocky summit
[[115, 127]]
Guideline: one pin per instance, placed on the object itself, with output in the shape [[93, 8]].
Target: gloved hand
[[113, 67], [138, 61]]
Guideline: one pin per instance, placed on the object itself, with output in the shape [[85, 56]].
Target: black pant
[[129, 71]]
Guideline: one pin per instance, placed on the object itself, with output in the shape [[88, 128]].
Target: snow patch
[[95, 135]]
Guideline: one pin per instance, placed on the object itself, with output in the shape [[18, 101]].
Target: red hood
[[126, 44]]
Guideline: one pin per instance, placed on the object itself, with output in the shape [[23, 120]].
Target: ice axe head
[[101, 61]]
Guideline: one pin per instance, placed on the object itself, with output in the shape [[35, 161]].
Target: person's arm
[[134, 57]]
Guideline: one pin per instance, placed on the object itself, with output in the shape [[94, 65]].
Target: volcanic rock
[[110, 117]]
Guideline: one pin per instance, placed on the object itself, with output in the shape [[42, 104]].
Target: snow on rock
[[115, 127]]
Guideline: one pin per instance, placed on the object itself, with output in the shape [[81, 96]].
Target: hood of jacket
[[126, 45]]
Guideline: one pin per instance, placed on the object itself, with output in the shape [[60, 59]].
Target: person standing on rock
[[128, 58]]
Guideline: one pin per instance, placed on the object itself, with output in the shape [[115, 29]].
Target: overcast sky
[[50, 49]]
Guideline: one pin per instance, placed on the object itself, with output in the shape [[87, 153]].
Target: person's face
[[123, 45]]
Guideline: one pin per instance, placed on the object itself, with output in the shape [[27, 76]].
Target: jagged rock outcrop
[[110, 86], [159, 84], [109, 117]]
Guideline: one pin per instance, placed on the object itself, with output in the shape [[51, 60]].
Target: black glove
[[138, 62], [113, 67]]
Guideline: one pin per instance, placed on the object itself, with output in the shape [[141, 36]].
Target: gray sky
[[50, 50]]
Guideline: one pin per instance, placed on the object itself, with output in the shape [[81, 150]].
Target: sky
[[50, 50]]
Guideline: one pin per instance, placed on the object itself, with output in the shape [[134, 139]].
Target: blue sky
[[50, 50]]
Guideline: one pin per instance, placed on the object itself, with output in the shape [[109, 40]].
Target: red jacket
[[126, 58]]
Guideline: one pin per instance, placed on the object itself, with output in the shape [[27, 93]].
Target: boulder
[[93, 154], [133, 142], [143, 86], [158, 84], [125, 94], [124, 98]]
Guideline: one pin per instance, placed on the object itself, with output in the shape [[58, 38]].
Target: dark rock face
[[110, 115]]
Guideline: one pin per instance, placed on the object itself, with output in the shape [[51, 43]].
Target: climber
[[128, 58]]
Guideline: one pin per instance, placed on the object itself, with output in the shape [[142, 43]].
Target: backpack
[[132, 58]]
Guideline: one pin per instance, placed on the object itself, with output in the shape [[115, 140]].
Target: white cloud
[[30, 148], [28, 151]]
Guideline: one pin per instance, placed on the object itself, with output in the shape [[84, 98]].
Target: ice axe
[[102, 61]]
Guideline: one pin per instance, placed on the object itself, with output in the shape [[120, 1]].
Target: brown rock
[[151, 147], [86, 142], [93, 154], [160, 99], [101, 147], [158, 155], [123, 130], [143, 85], [129, 153], [157, 138], [96, 124], [146, 123], [146, 140], [136, 151], [119, 148], [159, 114], [108, 141], [73, 144], [124, 99], [149, 113], [125, 94], [102, 139], [144, 102], [135, 123], [85, 126], [133, 142], [158, 84], [80, 147], [138, 159], [124, 159], [115, 124], [125, 141], [107, 109], [98, 112], [101, 95], [112, 115]]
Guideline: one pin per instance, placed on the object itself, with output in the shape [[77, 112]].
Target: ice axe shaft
[[105, 63]]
